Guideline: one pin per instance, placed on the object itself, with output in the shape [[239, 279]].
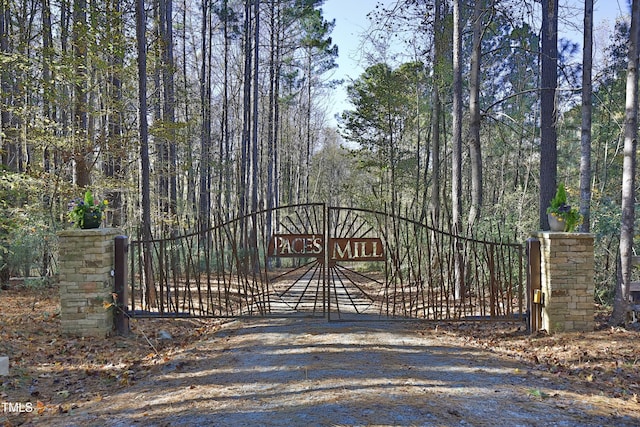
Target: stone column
[[567, 279], [86, 282]]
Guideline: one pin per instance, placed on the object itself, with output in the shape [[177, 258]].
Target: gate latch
[[538, 297]]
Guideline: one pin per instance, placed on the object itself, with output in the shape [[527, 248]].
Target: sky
[[351, 23]]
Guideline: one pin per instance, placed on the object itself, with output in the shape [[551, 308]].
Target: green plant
[[28, 242], [81, 211], [560, 209]]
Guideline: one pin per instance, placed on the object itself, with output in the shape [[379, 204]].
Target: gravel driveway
[[303, 372]]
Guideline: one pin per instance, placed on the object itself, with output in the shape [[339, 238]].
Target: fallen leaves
[[58, 374], [606, 361], [61, 374]]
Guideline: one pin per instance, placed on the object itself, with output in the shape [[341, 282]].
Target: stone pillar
[[567, 279], [86, 281]]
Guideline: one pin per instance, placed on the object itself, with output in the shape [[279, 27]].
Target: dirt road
[[314, 373]]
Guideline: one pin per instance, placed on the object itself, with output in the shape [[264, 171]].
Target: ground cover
[[270, 371]]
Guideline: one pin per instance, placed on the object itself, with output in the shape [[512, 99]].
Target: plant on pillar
[[562, 217], [87, 212]]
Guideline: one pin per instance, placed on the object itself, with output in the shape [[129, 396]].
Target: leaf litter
[[293, 371]]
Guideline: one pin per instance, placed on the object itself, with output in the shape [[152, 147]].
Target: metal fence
[[333, 262]]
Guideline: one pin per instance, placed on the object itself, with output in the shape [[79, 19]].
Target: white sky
[[352, 23]]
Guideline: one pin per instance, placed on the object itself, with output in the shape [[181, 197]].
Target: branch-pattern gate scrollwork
[[331, 262]]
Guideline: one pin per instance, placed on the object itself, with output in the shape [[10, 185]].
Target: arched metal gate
[[332, 262]]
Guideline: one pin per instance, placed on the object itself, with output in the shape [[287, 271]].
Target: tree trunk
[[456, 166], [585, 132], [161, 164], [65, 24], [276, 112], [456, 120], [222, 175], [81, 146], [255, 161], [114, 165], [168, 106], [243, 181], [273, 40], [191, 199], [548, 134], [8, 140], [48, 77], [307, 151], [145, 224], [419, 89], [205, 115], [474, 118], [438, 43], [435, 154], [621, 300], [226, 134]]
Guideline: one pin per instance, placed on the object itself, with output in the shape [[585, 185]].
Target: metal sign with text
[[312, 246]]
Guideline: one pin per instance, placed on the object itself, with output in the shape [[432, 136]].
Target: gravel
[[310, 372]]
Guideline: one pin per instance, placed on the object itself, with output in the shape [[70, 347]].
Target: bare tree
[[620, 303]]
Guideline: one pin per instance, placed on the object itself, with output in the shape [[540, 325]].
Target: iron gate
[[333, 262]]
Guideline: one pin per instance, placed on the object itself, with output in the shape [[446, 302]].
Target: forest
[[468, 114]]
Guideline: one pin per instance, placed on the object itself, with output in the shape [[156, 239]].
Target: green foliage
[[316, 39], [385, 123], [384, 106], [605, 225], [559, 208], [27, 240], [30, 243], [559, 200], [82, 210]]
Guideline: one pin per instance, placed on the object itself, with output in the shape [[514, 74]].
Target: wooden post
[[534, 285], [120, 319]]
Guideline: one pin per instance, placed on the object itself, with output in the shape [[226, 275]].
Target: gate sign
[[312, 246], [296, 246], [360, 249]]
